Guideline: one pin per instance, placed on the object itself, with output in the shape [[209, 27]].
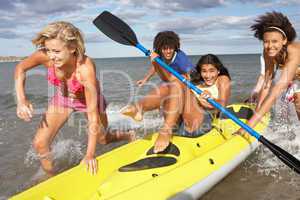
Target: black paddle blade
[[284, 156], [114, 28]]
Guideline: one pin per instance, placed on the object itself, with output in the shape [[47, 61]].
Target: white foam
[[68, 149], [284, 132], [30, 157], [65, 154]]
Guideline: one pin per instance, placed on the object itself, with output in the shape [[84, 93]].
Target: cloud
[[22, 19], [130, 17], [8, 34], [32, 11], [50, 6], [173, 5], [7, 5], [211, 33], [272, 3], [95, 37], [29, 16], [193, 25]]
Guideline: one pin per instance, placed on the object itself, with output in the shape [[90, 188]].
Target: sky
[[204, 26]]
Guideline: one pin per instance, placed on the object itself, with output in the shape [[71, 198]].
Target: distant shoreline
[[10, 58], [18, 58]]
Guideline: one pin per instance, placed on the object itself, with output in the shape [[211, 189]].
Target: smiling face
[[273, 43], [168, 52], [58, 52], [209, 74]]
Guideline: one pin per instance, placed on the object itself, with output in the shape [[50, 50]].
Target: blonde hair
[[65, 32]]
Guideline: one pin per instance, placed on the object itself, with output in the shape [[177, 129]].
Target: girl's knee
[[40, 144], [192, 112], [41, 140], [192, 119], [189, 122]]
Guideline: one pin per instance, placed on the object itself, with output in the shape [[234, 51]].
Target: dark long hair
[[209, 59]]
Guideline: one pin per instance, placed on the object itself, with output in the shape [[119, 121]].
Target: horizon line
[[222, 54]]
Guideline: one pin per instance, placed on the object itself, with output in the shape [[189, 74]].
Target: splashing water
[[284, 132], [67, 151], [152, 121]]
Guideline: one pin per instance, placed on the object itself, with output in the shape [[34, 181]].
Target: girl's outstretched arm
[[95, 126], [24, 107], [288, 74]]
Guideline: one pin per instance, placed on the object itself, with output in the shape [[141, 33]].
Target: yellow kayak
[[187, 169]]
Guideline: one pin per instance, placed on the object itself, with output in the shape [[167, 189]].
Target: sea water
[[261, 177]]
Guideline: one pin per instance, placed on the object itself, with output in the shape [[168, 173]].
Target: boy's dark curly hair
[[267, 22], [166, 38]]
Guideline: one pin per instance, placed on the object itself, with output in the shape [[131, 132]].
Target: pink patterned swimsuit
[[75, 88]]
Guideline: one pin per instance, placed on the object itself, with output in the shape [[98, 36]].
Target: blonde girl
[[61, 50]]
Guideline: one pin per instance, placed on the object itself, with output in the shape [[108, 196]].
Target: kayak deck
[[133, 171]]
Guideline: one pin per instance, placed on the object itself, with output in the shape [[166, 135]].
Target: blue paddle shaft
[[198, 91]]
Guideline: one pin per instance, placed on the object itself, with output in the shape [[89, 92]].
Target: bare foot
[[132, 111], [46, 160], [162, 141], [40, 176]]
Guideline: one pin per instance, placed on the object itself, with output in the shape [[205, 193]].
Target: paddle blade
[[284, 156], [114, 28]]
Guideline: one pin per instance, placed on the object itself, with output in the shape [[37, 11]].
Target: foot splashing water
[[66, 153]]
